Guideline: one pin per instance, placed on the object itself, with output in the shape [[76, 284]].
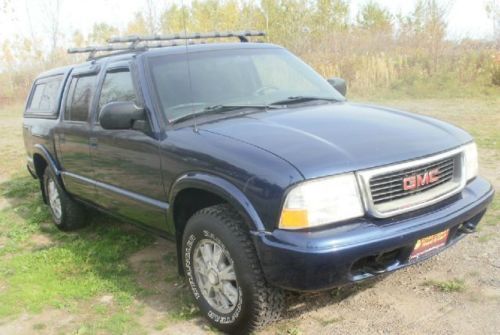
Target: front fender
[[223, 189]]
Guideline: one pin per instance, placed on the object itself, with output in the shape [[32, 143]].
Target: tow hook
[[468, 227]]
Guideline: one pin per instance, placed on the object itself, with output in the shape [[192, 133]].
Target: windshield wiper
[[216, 109], [301, 98]]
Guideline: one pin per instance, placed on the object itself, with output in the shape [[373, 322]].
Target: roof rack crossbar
[[92, 50], [135, 42], [242, 35]]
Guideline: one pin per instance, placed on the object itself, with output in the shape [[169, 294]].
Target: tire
[[67, 214], [256, 303]]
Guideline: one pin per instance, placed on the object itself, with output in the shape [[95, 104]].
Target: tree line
[[375, 50]]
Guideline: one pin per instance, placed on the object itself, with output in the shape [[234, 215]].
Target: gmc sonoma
[[257, 167]]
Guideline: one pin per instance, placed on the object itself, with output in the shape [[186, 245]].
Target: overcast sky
[[467, 18]]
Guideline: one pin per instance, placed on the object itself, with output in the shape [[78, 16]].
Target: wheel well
[[40, 165], [188, 202]]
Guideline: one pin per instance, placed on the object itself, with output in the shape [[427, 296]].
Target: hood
[[328, 139]]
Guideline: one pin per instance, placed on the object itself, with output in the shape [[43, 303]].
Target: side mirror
[[338, 84], [121, 115]]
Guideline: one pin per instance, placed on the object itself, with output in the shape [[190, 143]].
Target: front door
[[126, 162]]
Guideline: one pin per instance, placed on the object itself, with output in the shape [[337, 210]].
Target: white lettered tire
[[224, 274]]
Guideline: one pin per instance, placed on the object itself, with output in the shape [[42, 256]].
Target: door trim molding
[[120, 191]]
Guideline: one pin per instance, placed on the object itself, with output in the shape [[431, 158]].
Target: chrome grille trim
[[389, 199], [385, 193]]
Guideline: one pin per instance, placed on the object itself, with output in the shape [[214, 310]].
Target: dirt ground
[[456, 292]]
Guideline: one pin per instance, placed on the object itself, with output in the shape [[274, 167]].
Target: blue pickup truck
[[257, 167]]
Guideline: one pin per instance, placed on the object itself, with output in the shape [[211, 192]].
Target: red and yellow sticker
[[429, 243]]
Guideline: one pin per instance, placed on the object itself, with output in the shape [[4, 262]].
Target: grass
[[78, 267], [447, 286], [441, 85], [71, 270], [493, 217]]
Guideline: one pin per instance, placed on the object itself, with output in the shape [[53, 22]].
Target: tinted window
[[45, 96], [117, 86], [80, 95]]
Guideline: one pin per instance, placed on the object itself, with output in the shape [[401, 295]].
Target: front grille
[[389, 186], [384, 192]]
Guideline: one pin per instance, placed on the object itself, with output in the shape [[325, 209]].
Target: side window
[[37, 97], [117, 86], [45, 96], [80, 94]]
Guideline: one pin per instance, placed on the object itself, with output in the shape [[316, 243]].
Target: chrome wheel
[[215, 276], [54, 200]]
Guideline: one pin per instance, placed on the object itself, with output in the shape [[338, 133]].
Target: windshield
[[253, 77]]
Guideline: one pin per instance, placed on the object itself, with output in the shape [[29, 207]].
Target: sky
[[466, 18]]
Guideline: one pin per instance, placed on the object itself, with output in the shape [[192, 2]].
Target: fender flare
[[222, 188], [52, 164]]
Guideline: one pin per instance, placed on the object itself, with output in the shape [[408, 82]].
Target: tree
[[101, 32], [332, 14], [78, 40], [493, 10], [373, 17], [51, 9], [5, 5], [173, 18], [137, 25], [152, 17], [425, 28]]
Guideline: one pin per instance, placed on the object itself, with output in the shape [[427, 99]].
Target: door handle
[[93, 142]]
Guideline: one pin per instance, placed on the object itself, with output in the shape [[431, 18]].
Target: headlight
[[470, 160], [322, 201]]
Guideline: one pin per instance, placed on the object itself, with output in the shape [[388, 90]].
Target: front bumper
[[322, 259]]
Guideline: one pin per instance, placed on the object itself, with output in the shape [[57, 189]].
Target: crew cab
[[259, 169]]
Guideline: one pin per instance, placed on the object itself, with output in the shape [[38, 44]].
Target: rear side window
[[81, 91], [45, 97], [117, 86]]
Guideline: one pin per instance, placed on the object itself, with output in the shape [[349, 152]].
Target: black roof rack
[[242, 35], [141, 43]]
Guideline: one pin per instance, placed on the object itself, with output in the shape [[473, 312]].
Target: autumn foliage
[[378, 52]]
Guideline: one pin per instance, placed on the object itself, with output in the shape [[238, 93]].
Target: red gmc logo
[[419, 180]]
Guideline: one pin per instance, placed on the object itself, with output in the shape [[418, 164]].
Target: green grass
[[186, 308], [492, 217], [447, 286], [25, 214], [73, 268]]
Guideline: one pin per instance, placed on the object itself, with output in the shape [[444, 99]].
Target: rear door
[[126, 162], [72, 133]]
